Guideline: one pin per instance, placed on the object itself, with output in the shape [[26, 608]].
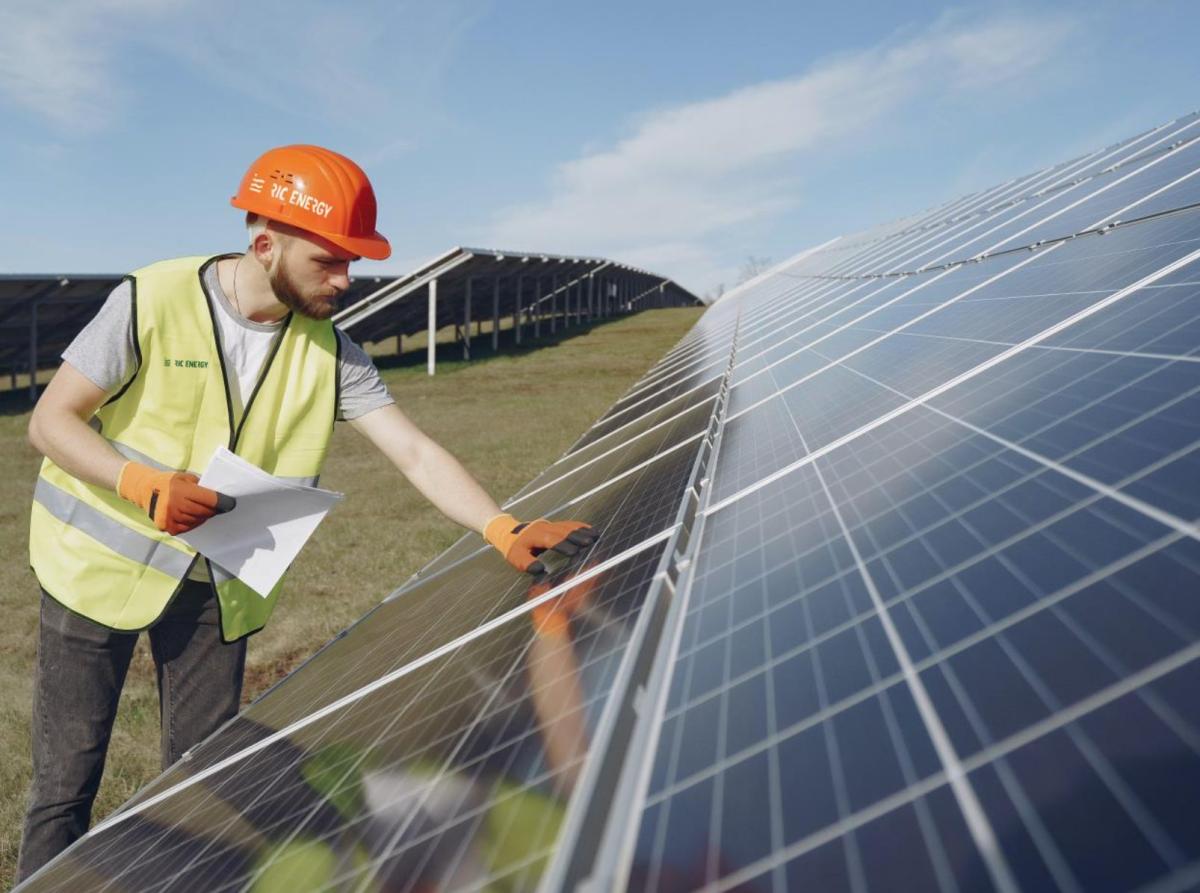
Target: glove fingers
[[535, 568], [566, 547], [196, 503], [176, 525], [584, 536], [200, 495]]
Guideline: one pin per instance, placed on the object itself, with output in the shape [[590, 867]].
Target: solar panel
[[897, 589]]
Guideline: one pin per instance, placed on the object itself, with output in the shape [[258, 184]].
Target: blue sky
[[679, 136]]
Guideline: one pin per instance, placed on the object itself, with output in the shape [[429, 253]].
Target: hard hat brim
[[373, 247]]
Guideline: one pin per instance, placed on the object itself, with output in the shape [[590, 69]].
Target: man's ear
[[264, 247]]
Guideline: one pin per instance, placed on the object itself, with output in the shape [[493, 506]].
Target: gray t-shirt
[[104, 351]]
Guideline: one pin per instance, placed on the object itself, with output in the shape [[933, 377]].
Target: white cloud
[[63, 60], [56, 58], [688, 175]]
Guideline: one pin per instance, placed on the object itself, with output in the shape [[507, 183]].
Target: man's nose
[[340, 280]]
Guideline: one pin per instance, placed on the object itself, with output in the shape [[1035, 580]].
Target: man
[[185, 356]]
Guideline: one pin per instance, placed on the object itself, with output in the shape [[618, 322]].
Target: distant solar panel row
[[898, 590]]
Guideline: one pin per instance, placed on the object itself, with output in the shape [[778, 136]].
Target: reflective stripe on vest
[[100, 555]]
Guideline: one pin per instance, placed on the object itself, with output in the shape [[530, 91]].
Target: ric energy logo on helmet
[[297, 197], [318, 190]]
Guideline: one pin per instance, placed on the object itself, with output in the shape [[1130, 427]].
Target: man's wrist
[[497, 526]]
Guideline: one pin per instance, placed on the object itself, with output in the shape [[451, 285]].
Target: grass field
[[506, 417]]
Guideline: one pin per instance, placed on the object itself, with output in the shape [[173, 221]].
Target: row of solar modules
[[942, 630], [907, 561], [41, 314]]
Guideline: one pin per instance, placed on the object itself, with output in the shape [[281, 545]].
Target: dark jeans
[[81, 667]]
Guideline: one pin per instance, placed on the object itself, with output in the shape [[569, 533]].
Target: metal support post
[[591, 297], [467, 321], [518, 308], [33, 350], [553, 304], [496, 315], [431, 348], [537, 308]]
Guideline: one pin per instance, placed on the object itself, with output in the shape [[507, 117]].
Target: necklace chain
[[237, 303]]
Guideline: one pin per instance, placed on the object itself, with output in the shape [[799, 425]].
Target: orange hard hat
[[316, 190]]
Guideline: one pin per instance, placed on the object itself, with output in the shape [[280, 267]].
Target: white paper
[[259, 539]]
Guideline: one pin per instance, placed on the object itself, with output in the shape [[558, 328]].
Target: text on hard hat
[[301, 200]]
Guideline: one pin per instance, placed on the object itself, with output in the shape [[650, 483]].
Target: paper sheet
[[259, 539]]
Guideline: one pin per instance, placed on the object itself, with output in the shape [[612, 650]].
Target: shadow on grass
[[17, 402]]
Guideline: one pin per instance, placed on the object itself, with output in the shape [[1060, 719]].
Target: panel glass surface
[[1025, 602], [1126, 186], [452, 776], [662, 426], [683, 393]]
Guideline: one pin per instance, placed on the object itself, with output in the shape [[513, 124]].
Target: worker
[[185, 356]]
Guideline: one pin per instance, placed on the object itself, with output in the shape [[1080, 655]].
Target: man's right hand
[[174, 500]]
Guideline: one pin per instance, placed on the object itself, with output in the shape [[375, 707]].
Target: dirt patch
[[259, 678]]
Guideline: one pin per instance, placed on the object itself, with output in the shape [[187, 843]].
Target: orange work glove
[[174, 500], [522, 542]]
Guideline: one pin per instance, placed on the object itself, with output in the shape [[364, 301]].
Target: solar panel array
[[898, 590]]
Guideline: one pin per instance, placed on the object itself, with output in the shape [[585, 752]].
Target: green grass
[[505, 416]]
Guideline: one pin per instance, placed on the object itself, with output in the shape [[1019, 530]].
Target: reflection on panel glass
[[643, 454], [456, 774], [683, 393], [451, 605], [661, 427], [655, 490]]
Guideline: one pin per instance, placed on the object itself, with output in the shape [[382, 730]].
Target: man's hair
[[255, 225]]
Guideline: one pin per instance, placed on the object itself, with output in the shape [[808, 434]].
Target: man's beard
[[288, 294]]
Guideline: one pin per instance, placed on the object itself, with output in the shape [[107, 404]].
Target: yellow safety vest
[[101, 556]]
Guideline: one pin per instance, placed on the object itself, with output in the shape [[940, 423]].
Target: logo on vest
[[185, 364]]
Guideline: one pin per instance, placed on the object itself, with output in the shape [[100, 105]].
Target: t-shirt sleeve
[[104, 351], [361, 389]]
